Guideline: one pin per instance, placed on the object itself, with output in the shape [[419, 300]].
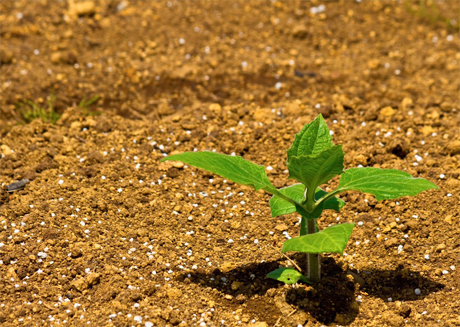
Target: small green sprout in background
[[84, 106], [312, 160], [29, 111], [428, 10]]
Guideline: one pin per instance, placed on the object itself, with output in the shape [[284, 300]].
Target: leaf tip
[[283, 248], [434, 186]]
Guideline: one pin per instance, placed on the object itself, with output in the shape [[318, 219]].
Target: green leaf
[[313, 139], [331, 239], [314, 171], [288, 276], [296, 192], [383, 183], [233, 168]]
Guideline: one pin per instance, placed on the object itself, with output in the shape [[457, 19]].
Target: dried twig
[[290, 260], [279, 319]]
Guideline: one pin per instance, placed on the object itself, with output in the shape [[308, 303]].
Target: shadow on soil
[[330, 300], [398, 284]]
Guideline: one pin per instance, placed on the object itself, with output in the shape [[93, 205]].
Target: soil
[[102, 234]]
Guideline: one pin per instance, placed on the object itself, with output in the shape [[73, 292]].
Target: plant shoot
[[312, 160]]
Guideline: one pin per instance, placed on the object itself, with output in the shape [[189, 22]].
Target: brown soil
[[105, 235]]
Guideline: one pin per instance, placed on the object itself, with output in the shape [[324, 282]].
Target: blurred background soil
[[150, 59]]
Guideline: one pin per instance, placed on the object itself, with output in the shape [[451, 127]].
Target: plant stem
[[314, 267], [310, 204], [303, 226]]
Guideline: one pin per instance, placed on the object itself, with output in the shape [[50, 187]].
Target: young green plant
[[313, 160], [29, 111], [85, 104]]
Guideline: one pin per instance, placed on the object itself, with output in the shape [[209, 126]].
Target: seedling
[[84, 106], [33, 111], [312, 160], [429, 10]]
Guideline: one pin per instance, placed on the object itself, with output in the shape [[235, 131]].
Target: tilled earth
[[103, 234]]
